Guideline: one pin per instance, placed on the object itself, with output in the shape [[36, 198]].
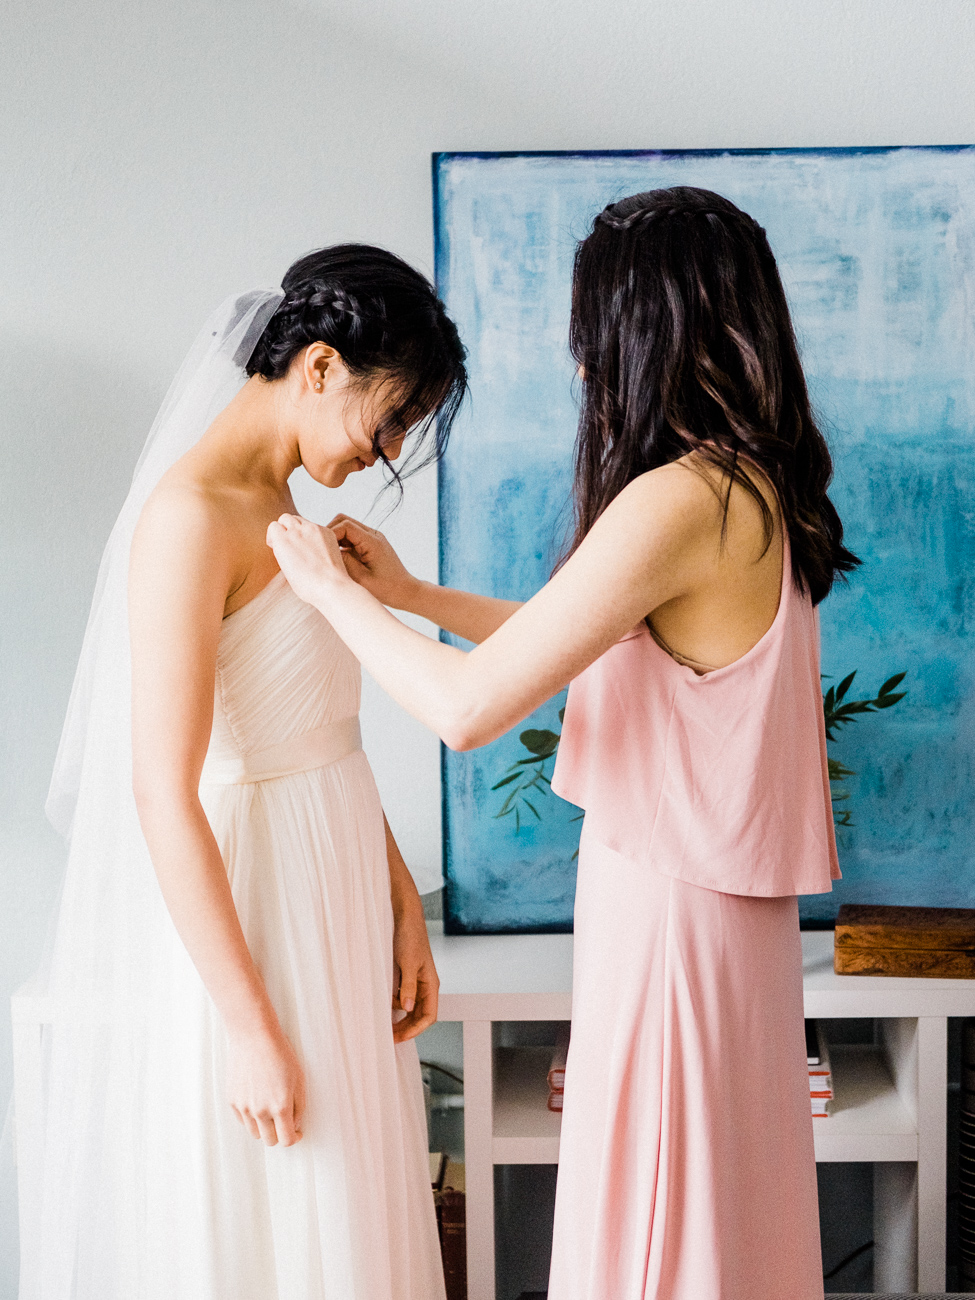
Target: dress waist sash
[[302, 754]]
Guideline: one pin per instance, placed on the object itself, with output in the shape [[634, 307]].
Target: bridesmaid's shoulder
[[684, 491]]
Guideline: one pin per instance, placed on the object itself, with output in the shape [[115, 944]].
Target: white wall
[[156, 157]]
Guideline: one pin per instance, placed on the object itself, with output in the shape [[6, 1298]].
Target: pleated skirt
[[686, 1166], [151, 1188]]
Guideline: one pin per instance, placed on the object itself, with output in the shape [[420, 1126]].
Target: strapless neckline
[[275, 581]]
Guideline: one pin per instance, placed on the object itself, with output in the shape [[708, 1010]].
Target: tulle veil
[[97, 1048]]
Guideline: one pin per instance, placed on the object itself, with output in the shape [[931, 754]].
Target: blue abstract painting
[[877, 252]]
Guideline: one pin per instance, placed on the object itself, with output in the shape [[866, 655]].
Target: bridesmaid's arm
[[464, 613], [416, 983], [374, 564], [655, 542]]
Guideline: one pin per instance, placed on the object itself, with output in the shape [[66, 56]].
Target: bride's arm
[[416, 983], [180, 572], [374, 564], [657, 540]]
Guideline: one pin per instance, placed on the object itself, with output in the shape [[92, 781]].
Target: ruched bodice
[[282, 672]]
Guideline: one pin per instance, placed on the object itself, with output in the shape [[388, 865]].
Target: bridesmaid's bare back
[[734, 602]]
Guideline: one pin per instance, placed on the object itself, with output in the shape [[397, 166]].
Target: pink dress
[[686, 1167]]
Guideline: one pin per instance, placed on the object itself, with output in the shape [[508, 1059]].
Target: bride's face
[[339, 414]]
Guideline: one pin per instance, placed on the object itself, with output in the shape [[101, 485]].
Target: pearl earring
[[318, 388]]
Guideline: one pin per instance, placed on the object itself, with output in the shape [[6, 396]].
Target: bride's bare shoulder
[[184, 517]]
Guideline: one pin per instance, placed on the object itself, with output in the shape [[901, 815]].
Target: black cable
[[429, 1065], [854, 1254]]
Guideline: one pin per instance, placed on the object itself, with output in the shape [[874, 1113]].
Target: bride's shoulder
[[180, 499], [183, 515]]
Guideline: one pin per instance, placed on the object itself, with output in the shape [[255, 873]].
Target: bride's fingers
[[268, 1132], [407, 988], [299, 1106], [284, 1125], [248, 1121]]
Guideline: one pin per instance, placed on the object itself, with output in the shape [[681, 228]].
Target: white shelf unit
[[525, 1131], [870, 1120], [890, 1099]]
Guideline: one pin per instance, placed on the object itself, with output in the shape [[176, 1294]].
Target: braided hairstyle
[[683, 337], [386, 322]]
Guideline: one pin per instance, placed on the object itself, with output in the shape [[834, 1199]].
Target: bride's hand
[[373, 563], [266, 1086], [417, 983], [309, 556]]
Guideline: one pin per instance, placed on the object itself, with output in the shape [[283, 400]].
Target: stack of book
[[820, 1075], [447, 1180], [556, 1074]]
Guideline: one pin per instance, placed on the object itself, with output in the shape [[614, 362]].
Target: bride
[[233, 1111]]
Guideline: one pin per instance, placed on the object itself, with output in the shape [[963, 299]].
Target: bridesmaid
[[684, 617]]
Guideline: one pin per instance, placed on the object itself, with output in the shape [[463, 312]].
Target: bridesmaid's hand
[[266, 1086], [417, 985], [373, 563], [309, 556]]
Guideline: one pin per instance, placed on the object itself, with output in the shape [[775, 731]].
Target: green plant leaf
[[505, 781], [534, 809], [510, 800], [837, 713], [888, 701], [845, 685], [891, 684], [543, 743]]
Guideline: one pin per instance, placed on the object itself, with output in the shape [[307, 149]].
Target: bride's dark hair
[[682, 332], [385, 321]]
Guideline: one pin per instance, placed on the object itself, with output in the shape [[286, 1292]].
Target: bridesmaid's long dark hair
[[683, 335]]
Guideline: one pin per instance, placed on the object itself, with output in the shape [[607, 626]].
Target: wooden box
[[936, 942]]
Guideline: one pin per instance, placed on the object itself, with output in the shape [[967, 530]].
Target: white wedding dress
[[152, 1189]]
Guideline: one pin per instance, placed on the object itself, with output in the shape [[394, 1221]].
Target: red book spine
[[452, 1218]]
